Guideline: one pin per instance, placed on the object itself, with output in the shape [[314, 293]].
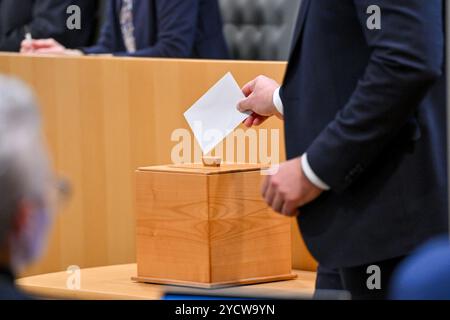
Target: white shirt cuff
[[312, 177], [277, 101]]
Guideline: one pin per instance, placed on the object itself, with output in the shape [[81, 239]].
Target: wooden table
[[114, 283]]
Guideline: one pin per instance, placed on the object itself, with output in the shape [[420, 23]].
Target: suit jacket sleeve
[[48, 21], [176, 30], [107, 42], [406, 59]]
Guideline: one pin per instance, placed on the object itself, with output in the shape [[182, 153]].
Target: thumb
[[246, 104], [249, 88], [25, 45]]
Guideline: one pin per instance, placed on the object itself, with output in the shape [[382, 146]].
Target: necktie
[[127, 25]]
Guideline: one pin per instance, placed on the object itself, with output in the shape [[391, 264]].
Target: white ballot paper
[[214, 116]]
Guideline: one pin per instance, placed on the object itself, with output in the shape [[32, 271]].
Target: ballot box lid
[[199, 168]]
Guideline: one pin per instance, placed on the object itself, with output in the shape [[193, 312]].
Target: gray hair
[[24, 165]]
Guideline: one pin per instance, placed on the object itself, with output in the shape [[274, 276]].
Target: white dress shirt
[[315, 180]]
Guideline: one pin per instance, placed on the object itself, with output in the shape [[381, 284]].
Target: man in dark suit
[[44, 19], [364, 112], [154, 28], [27, 184]]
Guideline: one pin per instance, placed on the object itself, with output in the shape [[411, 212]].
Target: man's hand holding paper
[[259, 100], [214, 116]]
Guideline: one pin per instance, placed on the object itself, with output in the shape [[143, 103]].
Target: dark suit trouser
[[355, 279], [328, 279]]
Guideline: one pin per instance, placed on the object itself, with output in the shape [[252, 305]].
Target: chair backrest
[[259, 29], [254, 29]]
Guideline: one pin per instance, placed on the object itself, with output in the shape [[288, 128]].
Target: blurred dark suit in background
[[164, 28], [45, 19]]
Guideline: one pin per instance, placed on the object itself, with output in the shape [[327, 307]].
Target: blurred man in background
[[44, 19], [26, 183], [153, 28]]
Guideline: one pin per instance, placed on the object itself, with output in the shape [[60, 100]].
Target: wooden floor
[[114, 283]]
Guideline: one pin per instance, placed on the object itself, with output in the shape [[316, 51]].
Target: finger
[[270, 194], [48, 41], [249, 121], [249, 87], [43, 43], [26, 47], [259, 120], [246, 104], [278, 202], [254, 120], [46, 51], [265, 186], [26, 44], [289, 209], [25, 50], [51, 51]]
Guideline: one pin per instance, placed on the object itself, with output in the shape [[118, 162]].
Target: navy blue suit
[[45, 19], [166, 28], [368, 108]]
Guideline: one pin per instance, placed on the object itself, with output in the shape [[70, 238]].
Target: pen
[[28, 35], [28, 38]]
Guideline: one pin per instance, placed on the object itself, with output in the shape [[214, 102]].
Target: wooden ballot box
[[208, 227]]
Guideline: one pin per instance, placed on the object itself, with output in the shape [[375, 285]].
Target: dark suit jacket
[[166, 28], [8, 290], [45, 19], [368, 107]]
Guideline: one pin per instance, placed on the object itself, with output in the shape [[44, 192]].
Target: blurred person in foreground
[[153, 28], [45, 19], [28, 188], [425, 275]]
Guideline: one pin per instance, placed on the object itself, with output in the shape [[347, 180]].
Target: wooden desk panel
[[105, 117]]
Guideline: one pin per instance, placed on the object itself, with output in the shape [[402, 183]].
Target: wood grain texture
[[105, 117], [247, 238], [172, 227], [209, 228], [113, 282]]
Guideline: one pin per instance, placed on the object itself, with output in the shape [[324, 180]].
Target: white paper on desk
[[214, 116]]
